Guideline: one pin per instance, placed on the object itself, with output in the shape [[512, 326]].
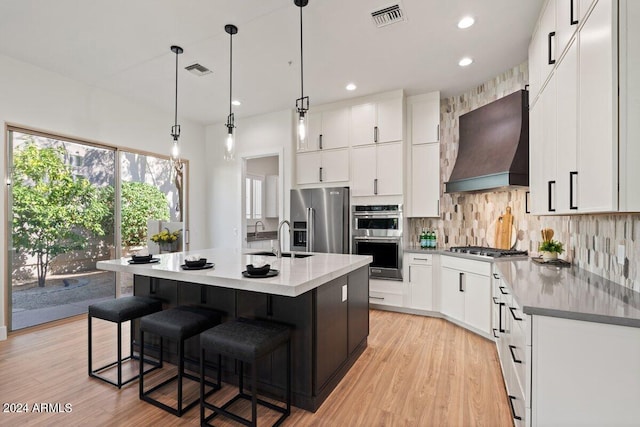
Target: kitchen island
[[324, 297]]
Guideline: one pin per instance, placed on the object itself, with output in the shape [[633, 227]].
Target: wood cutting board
[[504, 230]]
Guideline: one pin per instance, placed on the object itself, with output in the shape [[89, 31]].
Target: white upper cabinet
[[423, 176], [377, 122], [583, 125], [377, 170], [322, 166], [425, 118], [567, 18], [328, 129]]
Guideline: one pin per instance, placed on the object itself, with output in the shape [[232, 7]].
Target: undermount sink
[[284, 254]]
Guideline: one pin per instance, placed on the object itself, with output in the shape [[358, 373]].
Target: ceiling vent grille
[[198, 70], [387, 16]]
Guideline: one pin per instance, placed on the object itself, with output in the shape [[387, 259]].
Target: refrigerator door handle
[[310, 229]]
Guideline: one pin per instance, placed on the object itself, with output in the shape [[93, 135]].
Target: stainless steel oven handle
[[374, 238]]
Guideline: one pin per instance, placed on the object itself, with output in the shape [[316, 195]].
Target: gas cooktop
[[486, 251]]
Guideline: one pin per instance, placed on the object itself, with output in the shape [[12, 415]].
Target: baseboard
[[3, 333]]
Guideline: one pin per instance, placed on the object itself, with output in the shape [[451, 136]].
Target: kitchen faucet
[[255, 230], [279, 248]]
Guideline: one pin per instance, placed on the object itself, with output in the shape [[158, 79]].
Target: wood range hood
[[493, 150]]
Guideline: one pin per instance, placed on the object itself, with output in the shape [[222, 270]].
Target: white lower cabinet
[[564, 372], [465, 290], [420, 281], [386, 292]]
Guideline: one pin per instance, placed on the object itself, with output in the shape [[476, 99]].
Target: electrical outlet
[[621, 254]]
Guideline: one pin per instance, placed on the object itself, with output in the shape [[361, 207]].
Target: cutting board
[[504, 230]]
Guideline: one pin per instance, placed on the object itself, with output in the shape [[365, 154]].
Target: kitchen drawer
[[478, 267], [420, 259], [385, 298], [388, 286], [515, 395]]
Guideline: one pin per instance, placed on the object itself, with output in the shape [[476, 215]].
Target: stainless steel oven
[[377, 231]]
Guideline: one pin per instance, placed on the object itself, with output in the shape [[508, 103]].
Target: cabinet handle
[[550, 45], [513, 412], [320, 142], [550, 187], [375, 186], [572, 174], [500, 328], [502, 290], [495, 276], [410, 274], [513, 355], [438, 206], [513, 313], [421, 259], [572, 19], [375, 134], [494, 333], [320, 174], [461, 275], [527, 195], [438, 132], [495, 300], [370, 297]]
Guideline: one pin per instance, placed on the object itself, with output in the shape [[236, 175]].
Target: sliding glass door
[[61, 211]]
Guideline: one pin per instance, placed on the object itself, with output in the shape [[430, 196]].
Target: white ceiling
[[123, 46]]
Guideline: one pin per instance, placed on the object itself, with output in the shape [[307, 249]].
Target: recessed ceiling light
[[351, 86], [466, 22], [236, 102], [465, 61]]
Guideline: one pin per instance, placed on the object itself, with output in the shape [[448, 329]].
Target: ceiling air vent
[[387, 16], [198, 70]]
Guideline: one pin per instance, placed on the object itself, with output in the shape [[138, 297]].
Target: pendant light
[[175, 129], [302, 103], [230, 143]]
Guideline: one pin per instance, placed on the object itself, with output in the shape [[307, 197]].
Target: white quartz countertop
[[296, 275]]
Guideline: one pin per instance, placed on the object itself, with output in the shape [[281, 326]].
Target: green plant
[[141, 202], [551, 246], [165, 236], [54, 212]]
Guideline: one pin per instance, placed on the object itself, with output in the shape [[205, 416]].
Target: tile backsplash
[[591, 241]]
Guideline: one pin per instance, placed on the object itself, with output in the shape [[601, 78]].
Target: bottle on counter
[[434, 239], [431, 239], [423, 240]]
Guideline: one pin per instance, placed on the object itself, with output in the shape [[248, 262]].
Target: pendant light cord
[[176, 105], [301, 59], [230, 70]]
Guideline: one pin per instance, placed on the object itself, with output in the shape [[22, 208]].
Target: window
[[254, 186]]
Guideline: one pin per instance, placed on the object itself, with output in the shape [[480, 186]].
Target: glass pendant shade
[[175, 151], [302, 131], [229, 145]]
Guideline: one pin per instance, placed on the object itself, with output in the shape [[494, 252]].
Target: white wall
[[35, 98], [255, 136]]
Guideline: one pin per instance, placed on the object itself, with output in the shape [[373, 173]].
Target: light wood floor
[[416, 371]]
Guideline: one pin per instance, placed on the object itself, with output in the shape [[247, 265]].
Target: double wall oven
[[377, 231]]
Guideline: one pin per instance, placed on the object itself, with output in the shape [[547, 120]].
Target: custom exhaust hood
[[493, 150]]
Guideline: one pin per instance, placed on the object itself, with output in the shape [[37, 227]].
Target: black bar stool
[[246, 341], [120, 310], [177, 324]]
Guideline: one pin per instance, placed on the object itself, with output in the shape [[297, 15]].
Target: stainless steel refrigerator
[[320, 220]]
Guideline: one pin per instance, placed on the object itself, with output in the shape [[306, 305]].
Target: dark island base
[[328, 334]]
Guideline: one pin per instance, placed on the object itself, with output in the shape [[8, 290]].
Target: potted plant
[[549, 249], [168, 241]]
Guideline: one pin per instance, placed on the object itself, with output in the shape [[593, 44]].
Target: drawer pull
[[500, 328], [421, 259], [494, 333], [513, 411], [513, 313], [502, 290], [495, 300], [381, 298], [495, 276], [513, 355]]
